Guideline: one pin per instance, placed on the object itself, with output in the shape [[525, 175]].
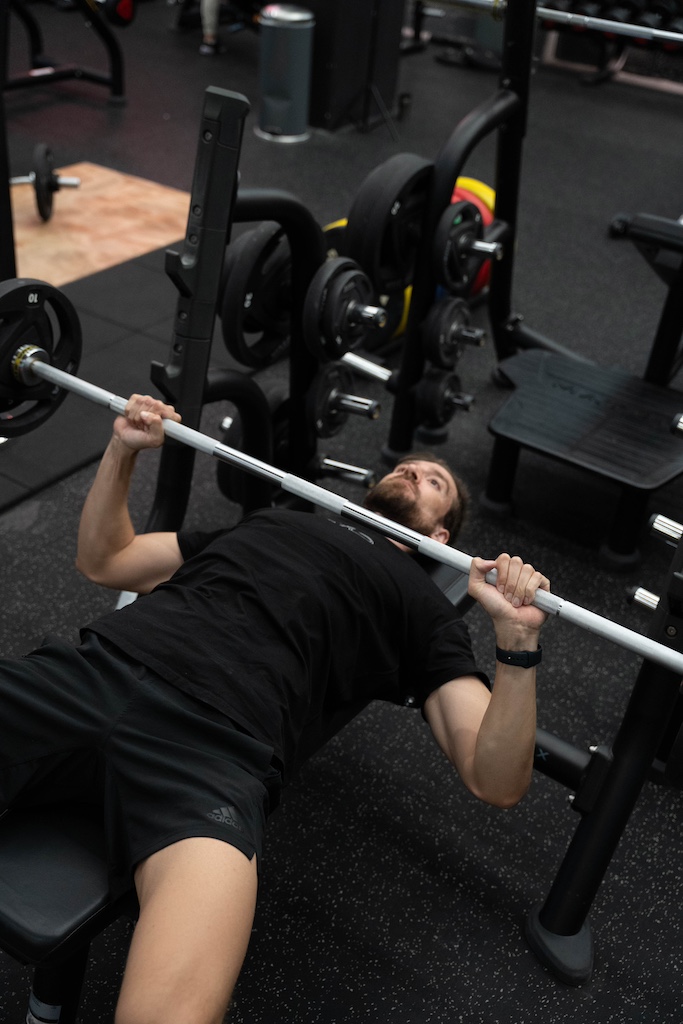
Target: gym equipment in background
[[44, 180]]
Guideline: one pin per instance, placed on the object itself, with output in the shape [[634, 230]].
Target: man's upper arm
[[150, 559], [454, 712]]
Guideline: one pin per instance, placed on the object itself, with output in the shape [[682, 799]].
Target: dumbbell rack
[[559, 18]]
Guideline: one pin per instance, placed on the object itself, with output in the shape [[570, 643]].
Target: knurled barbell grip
[[549, 603]]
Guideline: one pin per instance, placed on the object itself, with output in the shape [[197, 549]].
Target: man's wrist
[[519, 659]]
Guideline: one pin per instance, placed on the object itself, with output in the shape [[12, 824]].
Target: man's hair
[[455, 516]]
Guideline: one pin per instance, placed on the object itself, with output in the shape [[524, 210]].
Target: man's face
[[416, 494]]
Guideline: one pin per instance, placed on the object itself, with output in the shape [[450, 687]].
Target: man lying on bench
[[181, 712]]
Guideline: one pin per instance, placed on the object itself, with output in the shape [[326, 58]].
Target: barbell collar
[[551, 604], [23, 179]]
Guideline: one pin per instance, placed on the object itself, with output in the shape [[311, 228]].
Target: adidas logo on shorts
[[226, 816]]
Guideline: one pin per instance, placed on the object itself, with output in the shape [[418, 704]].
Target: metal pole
[[27, 363]]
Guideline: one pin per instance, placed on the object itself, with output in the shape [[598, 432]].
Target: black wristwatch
[[520, 659]]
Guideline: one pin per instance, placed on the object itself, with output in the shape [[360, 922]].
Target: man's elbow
[[93, 572], [503, 797]]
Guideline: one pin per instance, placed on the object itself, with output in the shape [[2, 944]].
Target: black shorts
[[87, 724]]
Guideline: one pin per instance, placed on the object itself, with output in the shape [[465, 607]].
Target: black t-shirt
[[290, 617]]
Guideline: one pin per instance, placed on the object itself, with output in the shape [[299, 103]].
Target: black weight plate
[[327, 329], [34, 313], [231, 481], [435, 398], [255, 309], [332, 379], [45, 180], [440, 332], [385, 221], [460, 224]]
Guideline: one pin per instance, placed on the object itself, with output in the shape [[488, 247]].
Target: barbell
[[29, 366]]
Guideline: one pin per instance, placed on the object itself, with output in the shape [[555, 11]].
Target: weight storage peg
[[330, 400], [339, 309], [669, 529], [44, 180]]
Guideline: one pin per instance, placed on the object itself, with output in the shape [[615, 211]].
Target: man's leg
[[197, 901]]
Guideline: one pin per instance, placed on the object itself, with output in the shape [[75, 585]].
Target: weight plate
[[480, 189], [455, 265], [385, 221], [329, 326], [465, 196], [436, 398], [255, 308], [231, 481], [441, 339], [483, 274], [34, 313], [120, 13], [45, 181], [332, 380]]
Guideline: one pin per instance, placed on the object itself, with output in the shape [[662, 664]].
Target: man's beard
[[396, 500]]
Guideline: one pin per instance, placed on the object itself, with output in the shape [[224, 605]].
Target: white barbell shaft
[[321, 496]]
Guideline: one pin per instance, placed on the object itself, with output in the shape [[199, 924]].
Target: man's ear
[[440, 534]]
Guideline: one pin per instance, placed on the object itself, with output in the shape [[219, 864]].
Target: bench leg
[[621, 550], [56, 991], [504, 459]]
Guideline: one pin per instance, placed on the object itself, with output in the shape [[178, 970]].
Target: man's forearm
[[105, 527], [504, 754]]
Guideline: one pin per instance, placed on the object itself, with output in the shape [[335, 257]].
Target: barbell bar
[[580, 21], [29, 365]]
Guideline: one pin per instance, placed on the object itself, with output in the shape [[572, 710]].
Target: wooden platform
[[109, 219]]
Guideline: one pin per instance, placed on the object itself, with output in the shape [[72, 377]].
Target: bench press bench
[[54, 887]]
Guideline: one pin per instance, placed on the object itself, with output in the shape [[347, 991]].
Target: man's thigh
[[197, 901]]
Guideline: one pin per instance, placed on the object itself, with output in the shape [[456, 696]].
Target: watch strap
[[519, 659]]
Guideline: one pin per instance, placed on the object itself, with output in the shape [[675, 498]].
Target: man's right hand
[[141, 425]]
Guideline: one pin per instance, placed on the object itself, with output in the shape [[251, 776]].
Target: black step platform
[[602, 420]]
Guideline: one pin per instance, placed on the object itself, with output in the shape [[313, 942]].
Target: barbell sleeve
[[26, 364]]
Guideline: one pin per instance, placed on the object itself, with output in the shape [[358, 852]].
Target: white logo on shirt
[[347, 526]]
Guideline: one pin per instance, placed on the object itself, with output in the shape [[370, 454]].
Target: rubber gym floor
[[388, 893]]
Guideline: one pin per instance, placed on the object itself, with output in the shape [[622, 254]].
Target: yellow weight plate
[[479, 188]]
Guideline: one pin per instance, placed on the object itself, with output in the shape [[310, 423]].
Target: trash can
[[286, 35]]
